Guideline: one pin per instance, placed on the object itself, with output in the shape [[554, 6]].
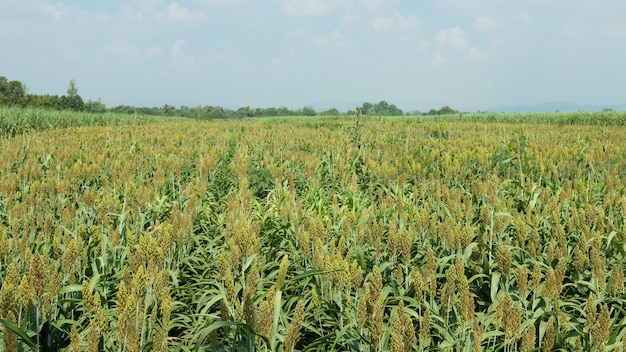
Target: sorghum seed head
[[282, 272]]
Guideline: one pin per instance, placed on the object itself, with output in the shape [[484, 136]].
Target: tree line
[[15, 93]]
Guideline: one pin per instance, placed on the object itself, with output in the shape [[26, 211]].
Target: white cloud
[[173, 12], [315, 7], [396, 21], [177, 12], [148, 5], [331, 43], [454, 37], [55, 11], [180, 56], [178, 50], [307, 7], [469, 8], [154, 51], [282, 67], [475, 52], [333, 39], [108, 40], [222, 1], [484, 23], [438, 58], [422, 45], [129, 13], [350, 18], [381, 23], [407, 21], [124, 48], [373, 5]]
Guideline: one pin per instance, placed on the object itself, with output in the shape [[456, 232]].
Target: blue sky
[[469, 54]]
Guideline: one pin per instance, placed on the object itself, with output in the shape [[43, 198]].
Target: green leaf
[[70, 288], [468, 251], [495, 285], [251, 335], [94, 281], [211, 328], [249, 261], [277, 306], [610, 238], [532, 203], [21, 333]]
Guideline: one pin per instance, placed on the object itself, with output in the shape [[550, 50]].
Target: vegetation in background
[[453, 234], [382, 108], [14, 93], [446, 110], [15, 121]]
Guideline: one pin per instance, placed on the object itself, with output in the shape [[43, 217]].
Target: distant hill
[[554, 106]]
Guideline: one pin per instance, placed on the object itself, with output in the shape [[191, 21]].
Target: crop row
[[398, 235]]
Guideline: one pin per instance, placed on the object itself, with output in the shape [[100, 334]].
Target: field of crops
[[318, 234]]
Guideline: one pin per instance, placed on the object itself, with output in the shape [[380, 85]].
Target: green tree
[[367, 108], [382, 108], [197, 112], [95, 107], [72, 101], [217, 113], [184, 111], [72, 90], [308, 111], [45, 101], [330, 112], [446, 110], [246, 111], [168, 110], [283, 111], [11, 92], [271, 111], [394, 111]]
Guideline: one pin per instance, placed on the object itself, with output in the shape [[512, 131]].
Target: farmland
[[461, 233]]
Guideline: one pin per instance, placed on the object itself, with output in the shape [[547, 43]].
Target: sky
[[416, 54]]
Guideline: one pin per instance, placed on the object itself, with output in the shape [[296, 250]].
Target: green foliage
[[261, 182], [222, 181], [167, 110], [381, 108], [308, 111], [217, 113], [245, 111], [358, 128], [330, 112], [12, 93], [444, 110], [95, 107], [15, 121]]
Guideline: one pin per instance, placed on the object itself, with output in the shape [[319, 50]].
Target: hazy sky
[[469, 54]]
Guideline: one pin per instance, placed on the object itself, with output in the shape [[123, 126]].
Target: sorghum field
[[459, 233]]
